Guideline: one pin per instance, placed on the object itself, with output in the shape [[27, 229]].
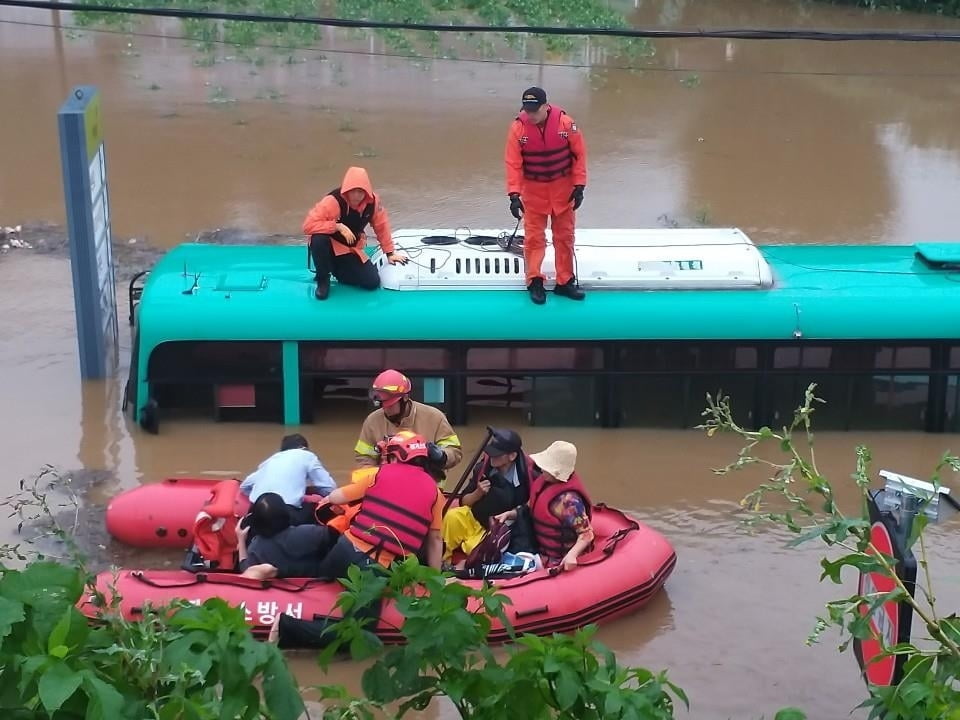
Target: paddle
[[466, 473]]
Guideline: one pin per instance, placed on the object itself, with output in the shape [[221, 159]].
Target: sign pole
[[88, 223]]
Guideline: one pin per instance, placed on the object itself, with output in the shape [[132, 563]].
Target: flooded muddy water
[[791, 141]]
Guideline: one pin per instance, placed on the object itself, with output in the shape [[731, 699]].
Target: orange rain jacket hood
[[324, 216]]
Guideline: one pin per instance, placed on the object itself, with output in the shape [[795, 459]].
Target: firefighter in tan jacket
[[395, 412]]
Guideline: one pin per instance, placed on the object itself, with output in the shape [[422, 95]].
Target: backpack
[[491, 547]]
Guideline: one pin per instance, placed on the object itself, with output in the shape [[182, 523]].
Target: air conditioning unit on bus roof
[[611, 259]]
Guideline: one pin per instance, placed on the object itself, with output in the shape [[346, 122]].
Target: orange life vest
[[397, 510], [546, 151], [215, 529], [553, 538]]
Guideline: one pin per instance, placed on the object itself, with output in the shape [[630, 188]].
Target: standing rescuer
[[546, 168]]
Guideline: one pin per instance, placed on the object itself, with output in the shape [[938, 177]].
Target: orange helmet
[[403, 447], [390, 387]]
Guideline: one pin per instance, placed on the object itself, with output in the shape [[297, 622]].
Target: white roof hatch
[[614, 259]]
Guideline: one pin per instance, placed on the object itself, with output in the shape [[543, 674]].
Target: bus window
[[564, 401], [521, 358], [785, 393], [320, 358], [682, 356], [804, 356], [953, 403], [188, 361], [741, 388], [651, 400], [327, 396], [889, 402], [911, 358], [233, 380]]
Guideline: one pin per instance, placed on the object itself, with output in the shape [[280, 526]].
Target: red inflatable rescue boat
[[627, 566], [163, 514]]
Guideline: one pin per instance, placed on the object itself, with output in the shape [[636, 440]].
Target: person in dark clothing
[[500, 482], [401, 511], [277, 548]]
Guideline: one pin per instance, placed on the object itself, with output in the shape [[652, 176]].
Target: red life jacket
[[553, 538], [546, 151], [215, 529], [356, 221], [397, 510]]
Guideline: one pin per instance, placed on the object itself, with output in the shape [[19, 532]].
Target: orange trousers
[[535, 242]]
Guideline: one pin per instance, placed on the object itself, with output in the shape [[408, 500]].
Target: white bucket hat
[[559, 459]]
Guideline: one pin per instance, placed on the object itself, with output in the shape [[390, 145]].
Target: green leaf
[[252, 655], [790, 713], [612, 704], [192, 650], [105, 700], [176, 708], [69, 632], [377, 684], [280, 689], [48, 588], [568, 688], [920, 523], [861, 561], [57, 684], [239, 702], [365, 644], [42, 583], [11, 613], [951, 627]]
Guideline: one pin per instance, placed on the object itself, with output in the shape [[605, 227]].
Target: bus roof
[[838, 292]]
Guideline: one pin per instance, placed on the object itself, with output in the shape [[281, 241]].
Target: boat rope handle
[[233, 580]]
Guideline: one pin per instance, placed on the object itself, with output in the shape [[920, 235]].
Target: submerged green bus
[[234, 332]]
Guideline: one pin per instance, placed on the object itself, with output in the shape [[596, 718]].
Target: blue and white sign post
[[88, 224]]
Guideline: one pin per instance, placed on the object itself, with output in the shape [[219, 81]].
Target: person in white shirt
[[291, 473]]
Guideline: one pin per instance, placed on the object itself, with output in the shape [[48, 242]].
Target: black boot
[[537, 293], [570, 290], [323, 289]]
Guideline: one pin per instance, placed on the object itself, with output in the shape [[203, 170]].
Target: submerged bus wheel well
[[149, 418]]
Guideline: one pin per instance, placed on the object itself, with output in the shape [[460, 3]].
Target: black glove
[[516, 206], [436, 455], [576, 197]]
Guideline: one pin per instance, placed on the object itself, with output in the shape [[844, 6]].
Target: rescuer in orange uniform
[[546, 163], [336, 229]]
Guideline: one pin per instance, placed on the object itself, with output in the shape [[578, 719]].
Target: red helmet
[[403, 447], [390, 387]]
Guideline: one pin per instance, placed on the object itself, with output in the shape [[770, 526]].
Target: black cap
[[502, 441], [533, 98]]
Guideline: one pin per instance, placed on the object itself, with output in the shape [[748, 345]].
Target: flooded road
[[791, 141]]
